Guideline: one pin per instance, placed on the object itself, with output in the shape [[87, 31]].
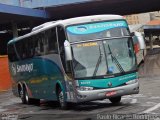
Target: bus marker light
[[111, 93]]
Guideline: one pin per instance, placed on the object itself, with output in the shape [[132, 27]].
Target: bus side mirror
[[67, 49], [141, 40], [132, 34]]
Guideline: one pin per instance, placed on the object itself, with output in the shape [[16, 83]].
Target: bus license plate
[[111, 93]]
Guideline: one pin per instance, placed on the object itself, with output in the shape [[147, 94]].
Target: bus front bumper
[[91, 95]]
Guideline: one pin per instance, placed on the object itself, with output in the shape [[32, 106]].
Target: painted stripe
[[2, 110], [51, 61], [133, 101], [152, 108]]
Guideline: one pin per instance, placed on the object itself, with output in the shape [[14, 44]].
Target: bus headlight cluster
[[131, 82], [84, 88]]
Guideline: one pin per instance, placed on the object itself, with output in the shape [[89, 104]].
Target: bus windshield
[[92, 59], [101, 49]]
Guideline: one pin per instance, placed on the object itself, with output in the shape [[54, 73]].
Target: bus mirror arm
[[67, 49], [132, 34]]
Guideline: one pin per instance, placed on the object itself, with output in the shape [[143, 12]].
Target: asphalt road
[[147, 102]]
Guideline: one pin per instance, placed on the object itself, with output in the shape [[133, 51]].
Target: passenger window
[[36, 47], [20, 48], [39, 44], [52, 40], [26, 48], [11, 53], [31, 47]]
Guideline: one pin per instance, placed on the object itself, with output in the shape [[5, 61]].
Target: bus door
[[68, 76]]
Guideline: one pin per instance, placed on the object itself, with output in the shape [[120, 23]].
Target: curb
[[3, 91]]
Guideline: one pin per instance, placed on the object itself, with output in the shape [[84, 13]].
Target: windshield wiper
[[116, 61], [98, 62]]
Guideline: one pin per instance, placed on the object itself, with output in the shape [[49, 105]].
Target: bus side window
[[52, 41], [28, 47], [11, 53], [31, 47], [61, 39], [23, 48], [20, 48], [39, 42], [25, 53], [36, 47]]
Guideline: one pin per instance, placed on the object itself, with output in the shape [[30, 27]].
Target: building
[[155, 15], [143, 18], [132, 19], [138, 18]]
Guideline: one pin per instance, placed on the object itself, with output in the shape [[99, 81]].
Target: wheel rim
[[26, 96], [21, 93], [61, 98]]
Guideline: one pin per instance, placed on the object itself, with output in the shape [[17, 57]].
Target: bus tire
[[28, 100], [61, 99], [115, 100], [26, 97], [34, 101], [22, 95]]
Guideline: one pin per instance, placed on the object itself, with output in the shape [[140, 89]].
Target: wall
[[138, 18], [144, 18], [5, 81]]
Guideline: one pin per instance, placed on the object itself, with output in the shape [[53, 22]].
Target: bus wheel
[[22, 95], [61, 99], [26, 100], [115, 100], [34, 101], [26, 97]]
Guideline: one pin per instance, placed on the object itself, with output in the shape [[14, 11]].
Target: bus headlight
[[131, 82], [84, 88]]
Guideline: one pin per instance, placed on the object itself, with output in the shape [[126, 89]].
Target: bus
[[74, 60], [139, 46]]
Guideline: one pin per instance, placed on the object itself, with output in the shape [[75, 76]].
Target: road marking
[[2, 109], [100, 101], [138, 96], [133, 101], [156, 97], [152, 108]]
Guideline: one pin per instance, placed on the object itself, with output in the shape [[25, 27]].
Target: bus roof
[[66, 22], [86, 19]]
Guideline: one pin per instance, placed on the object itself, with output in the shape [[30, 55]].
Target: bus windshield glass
[[112, 54], [92, 59]]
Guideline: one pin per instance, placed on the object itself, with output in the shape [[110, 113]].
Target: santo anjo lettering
[[96, 27], [106, 25], [25, 68]]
